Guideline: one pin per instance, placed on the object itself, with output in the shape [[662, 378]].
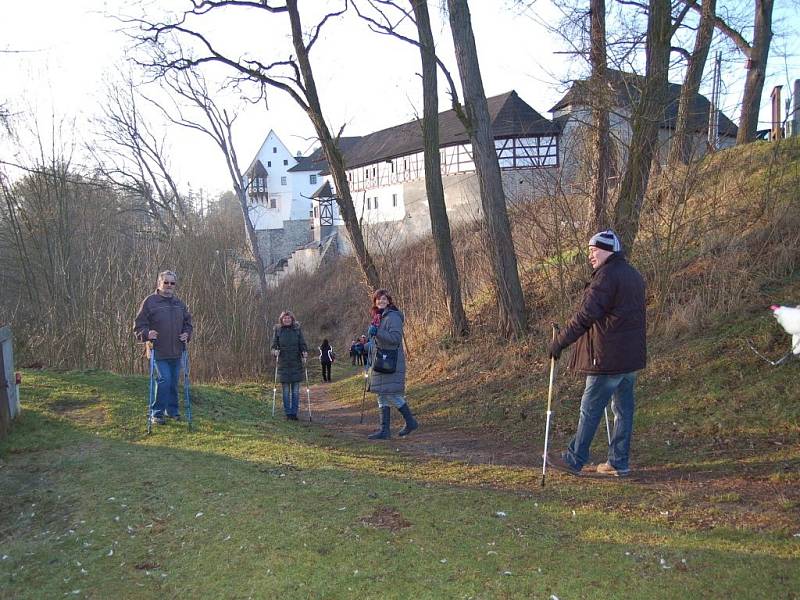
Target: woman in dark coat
[[290, 348], [326, 359], [386, 333]]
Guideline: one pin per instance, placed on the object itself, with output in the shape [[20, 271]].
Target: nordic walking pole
[[308, 390], [367, 372], [275, 382], [549, 406], [608, 428], [187, 398], [152, 392], [364, 396]]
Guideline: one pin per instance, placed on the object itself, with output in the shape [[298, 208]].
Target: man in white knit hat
[[609, 332]]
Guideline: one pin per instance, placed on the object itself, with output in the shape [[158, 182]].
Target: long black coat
[[291, 343], [610, 326]]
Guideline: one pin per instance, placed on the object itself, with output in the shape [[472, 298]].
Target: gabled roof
[[627, 88], [510, 117], [316, 160], [323, 191]]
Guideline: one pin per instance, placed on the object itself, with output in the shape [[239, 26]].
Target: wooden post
[[776, 133]]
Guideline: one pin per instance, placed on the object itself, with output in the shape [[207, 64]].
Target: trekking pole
[[308, 390], [364, 396], [152, 392], [367, 371], [549, 406], [608, 428], [275, 382], [187, 398]]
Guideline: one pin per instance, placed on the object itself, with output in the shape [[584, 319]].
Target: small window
[[273, 203], [274, 150], [283, 180], [269, 163], [312, 179], [369, 203], [394, 199], [374, 171], [285, 162], [375, 203]]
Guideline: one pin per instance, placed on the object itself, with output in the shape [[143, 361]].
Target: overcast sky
[[58, 57]]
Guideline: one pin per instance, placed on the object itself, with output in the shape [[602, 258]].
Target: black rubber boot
[[411, 422], [383, 433]]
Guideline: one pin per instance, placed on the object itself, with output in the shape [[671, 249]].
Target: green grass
[[246, 506]]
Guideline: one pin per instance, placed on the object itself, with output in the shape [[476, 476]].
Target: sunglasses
[[170, 282]]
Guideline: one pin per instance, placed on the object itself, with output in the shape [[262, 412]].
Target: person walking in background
[[289, 346], [610, 330], [386, 333], [359, 349], [353, 352], [165, 321], [326, 358]]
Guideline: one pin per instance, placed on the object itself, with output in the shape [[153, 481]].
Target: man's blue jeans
[[166, 397], [291, 397], [599, 390]]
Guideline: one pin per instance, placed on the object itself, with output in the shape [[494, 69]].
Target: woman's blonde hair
[[286, 313]]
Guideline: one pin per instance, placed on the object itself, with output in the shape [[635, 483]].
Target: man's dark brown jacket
[[610, 326]]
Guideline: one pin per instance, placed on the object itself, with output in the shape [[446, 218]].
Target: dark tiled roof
[[510, 117], [627, 90], [316, 160], [323, 191]]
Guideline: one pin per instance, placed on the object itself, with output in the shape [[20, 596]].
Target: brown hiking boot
[[608, 469]]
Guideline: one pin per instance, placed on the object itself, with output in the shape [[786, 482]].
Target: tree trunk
[[513, 319], [680, 150], [440, 224], [601, 137], [757, 66], [332, 153], [648, 115]]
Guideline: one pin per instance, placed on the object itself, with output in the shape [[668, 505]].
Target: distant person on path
[[165, 321], [364, 350], [386, 333], [353, 352], [289, 346], [326, 358], [610, 330], [360, 351]]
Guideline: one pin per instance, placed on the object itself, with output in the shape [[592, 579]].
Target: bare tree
[[293, 76], [475, 116], [681, 145], [440, 223], [757, 54], [601, 135], [217, 124], [648, 114], [135, 159]]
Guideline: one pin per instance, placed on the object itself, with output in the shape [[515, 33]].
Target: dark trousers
[[326, 371]]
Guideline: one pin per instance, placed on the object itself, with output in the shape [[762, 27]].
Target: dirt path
[[431, 441]]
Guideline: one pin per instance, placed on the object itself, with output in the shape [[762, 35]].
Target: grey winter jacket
[[390, 337], [169, 317], [291, 343]]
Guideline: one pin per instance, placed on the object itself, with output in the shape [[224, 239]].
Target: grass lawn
[[250, 507]]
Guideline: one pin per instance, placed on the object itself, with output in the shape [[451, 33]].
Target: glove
[[372, 331], [555, 350], [275, 353]]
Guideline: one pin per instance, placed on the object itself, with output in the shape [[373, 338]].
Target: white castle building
[[292, 198]]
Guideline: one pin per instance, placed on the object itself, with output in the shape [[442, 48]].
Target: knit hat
[[606, 240]]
